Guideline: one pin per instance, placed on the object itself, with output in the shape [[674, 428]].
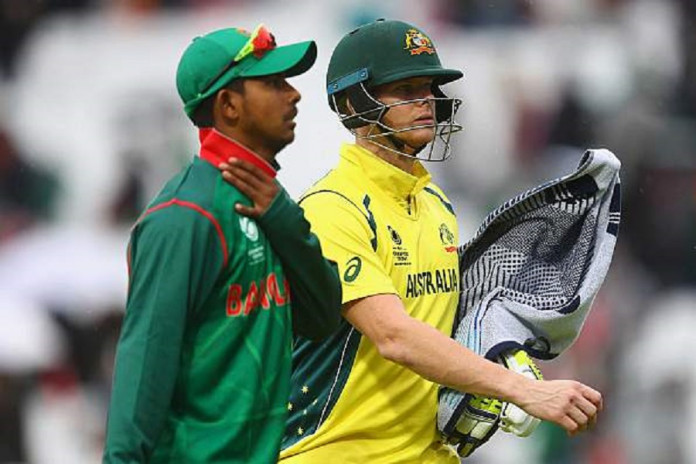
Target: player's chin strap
[[368, 111], [397, 145]]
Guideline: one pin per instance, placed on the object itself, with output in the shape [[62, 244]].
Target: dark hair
[[203, 115]]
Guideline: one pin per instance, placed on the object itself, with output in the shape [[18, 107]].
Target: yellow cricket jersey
[[390, 233]]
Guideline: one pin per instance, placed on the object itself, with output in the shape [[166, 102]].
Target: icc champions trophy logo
[[249, 228]]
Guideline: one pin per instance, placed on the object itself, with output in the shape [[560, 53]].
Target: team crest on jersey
[[447, 238], [417, 43], [400, 253]]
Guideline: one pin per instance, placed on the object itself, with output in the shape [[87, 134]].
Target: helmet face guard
[[368, 111]]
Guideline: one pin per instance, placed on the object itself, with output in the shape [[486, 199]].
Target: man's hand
[[570, 404], [567, 403], [252, 182], [481, 416]]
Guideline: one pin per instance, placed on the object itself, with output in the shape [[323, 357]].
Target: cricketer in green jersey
[[220, 275]]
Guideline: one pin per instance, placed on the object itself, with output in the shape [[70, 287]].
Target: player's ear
[[228, 105]]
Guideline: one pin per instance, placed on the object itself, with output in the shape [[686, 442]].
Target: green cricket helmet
[[378, 53]]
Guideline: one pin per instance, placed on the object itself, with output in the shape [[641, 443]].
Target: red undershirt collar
[[216, 148]]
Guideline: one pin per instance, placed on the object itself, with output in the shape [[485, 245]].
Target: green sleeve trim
[[199, 209], [371, 222], [445, 203]]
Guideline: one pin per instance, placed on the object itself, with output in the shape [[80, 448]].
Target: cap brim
[[440, 75], [291, 60]]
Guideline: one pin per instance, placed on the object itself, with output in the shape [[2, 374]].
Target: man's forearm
[[441, 360]]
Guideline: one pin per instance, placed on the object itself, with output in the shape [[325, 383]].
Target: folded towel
[[532, 270]]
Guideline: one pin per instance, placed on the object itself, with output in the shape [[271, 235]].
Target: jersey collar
[[391, 180], [216, 148]]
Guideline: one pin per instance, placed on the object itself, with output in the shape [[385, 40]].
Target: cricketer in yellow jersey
[[368, 393], [393, 235]]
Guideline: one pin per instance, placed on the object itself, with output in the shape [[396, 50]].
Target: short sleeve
[[346, 238]]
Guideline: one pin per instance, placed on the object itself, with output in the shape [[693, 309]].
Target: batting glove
[[481, 416], [477, 424], [514, 419]]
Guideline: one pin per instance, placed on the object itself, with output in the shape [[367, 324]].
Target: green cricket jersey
[[203, 362]]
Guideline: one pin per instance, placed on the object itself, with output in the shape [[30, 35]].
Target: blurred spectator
[[656, 408], [130, 197], [572, 125], [60, 424], [26, 192], [18, 18], [486, 13], [685, 96], [30, 343], [660, 223], [65, 413], [12, 392]]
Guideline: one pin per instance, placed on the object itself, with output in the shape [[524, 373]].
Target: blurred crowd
[[90, 126]]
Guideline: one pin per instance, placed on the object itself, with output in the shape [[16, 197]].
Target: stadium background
[[90, 126]]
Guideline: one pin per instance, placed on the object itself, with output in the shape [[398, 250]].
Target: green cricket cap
[[384, 51], [208, 63]]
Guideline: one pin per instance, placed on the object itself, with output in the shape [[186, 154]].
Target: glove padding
[[514, 419], [481, 416], [477, 424]]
